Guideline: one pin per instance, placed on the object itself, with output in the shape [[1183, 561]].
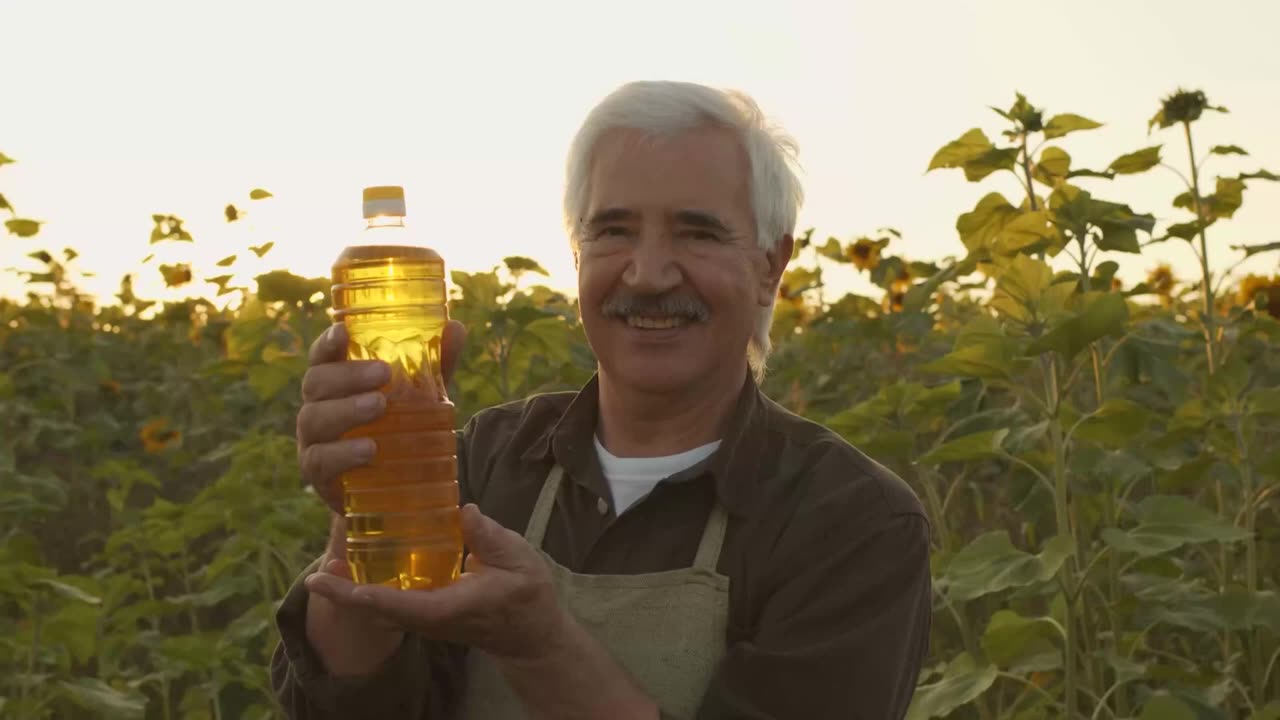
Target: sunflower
[[156, 436], [894, 299], [1162, 282], [864, 254], [1254, 285]]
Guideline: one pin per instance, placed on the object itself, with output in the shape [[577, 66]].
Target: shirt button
[[602, 506]]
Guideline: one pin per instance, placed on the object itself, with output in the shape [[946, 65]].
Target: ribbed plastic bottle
[[402, 508]]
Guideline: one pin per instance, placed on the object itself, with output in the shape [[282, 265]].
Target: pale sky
[[116, 111]]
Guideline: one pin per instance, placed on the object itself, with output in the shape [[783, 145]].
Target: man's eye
[[611, 231], [703, 235]]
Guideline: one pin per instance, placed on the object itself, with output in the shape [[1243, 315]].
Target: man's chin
[[662, 376]]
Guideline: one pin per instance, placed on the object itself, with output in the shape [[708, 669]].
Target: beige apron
[[667, 628]]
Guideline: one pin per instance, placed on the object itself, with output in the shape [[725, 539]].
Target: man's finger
[[340, 591], [455, 335], [494, 545], [331, 346], [342, 379], [328, 420], [323, 463], [427, 609]]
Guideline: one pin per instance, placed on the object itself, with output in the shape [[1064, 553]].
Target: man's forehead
[[700, 168]]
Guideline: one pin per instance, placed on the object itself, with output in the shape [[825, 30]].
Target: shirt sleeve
[[421, 681], [844, 627]]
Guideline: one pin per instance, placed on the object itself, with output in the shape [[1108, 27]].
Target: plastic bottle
[[402, 508]]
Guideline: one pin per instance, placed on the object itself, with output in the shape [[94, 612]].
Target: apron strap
[[708, 555], [712, 539], [537, 527]]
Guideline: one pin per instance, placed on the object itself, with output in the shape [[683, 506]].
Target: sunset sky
[[116, 111]]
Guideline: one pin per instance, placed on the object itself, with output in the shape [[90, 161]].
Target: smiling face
[[671, 279]]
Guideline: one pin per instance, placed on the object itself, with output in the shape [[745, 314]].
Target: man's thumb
[[493, 544]]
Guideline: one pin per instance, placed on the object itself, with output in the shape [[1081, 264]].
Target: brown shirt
[[827, 553]]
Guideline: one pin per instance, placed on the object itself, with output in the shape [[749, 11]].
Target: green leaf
[[232, 213], [1167, 522], [1269, 712], [978, 227], [1166, 707], [5, 159], [1185, 231], [1227, 150], [226, 261], [176, 275], [102, 699], [4, 204], [962, 682], [1116, 423], [991, 563], [268, 380], [976, 446], [1264, 402], [1024, 279], [517, 265], [70, 592], [1225, 200], [1055, 161], [1105, 314], [833, 250], [262, 249], [221, 281], [1136, 162], [918, 296], [991, 161], [1261, 175], [993, 359], [1251, 250], [22, 228], [258, 194], [168, 228], [284, 286], [74, 626], [1010, 637], [1064, 123], [967, 147]]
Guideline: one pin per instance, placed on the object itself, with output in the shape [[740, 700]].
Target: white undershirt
[[632, 478]]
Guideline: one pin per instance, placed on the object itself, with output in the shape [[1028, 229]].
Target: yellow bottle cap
[[384, 200]]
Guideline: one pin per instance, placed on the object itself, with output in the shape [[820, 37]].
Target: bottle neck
[[383, 221]]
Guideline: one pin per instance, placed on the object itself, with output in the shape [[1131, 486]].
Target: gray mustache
[[677, 306]]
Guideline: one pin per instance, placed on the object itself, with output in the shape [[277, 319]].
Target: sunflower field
[[1101, 462]]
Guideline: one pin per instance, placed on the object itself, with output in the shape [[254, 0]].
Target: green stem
[[1113, 583], [1207, 281], [1026, 169], [165, 690], [936, 508], [1210, 344], [1062, 513], [1254, 638], [37, 622]]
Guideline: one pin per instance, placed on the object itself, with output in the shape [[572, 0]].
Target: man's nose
[[654, 268]]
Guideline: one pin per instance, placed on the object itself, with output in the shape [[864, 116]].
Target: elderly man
[[664, 542]]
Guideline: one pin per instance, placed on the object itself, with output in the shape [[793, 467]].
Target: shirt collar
[[734, 467]]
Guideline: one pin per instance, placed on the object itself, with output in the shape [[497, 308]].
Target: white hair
[[667, 108]]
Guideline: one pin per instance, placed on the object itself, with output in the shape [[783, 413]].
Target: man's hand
[[339, 395], [505, 604]]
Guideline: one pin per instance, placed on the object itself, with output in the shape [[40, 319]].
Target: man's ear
[[777, 260]]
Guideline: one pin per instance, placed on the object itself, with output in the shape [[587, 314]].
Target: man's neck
[[633, 423]]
